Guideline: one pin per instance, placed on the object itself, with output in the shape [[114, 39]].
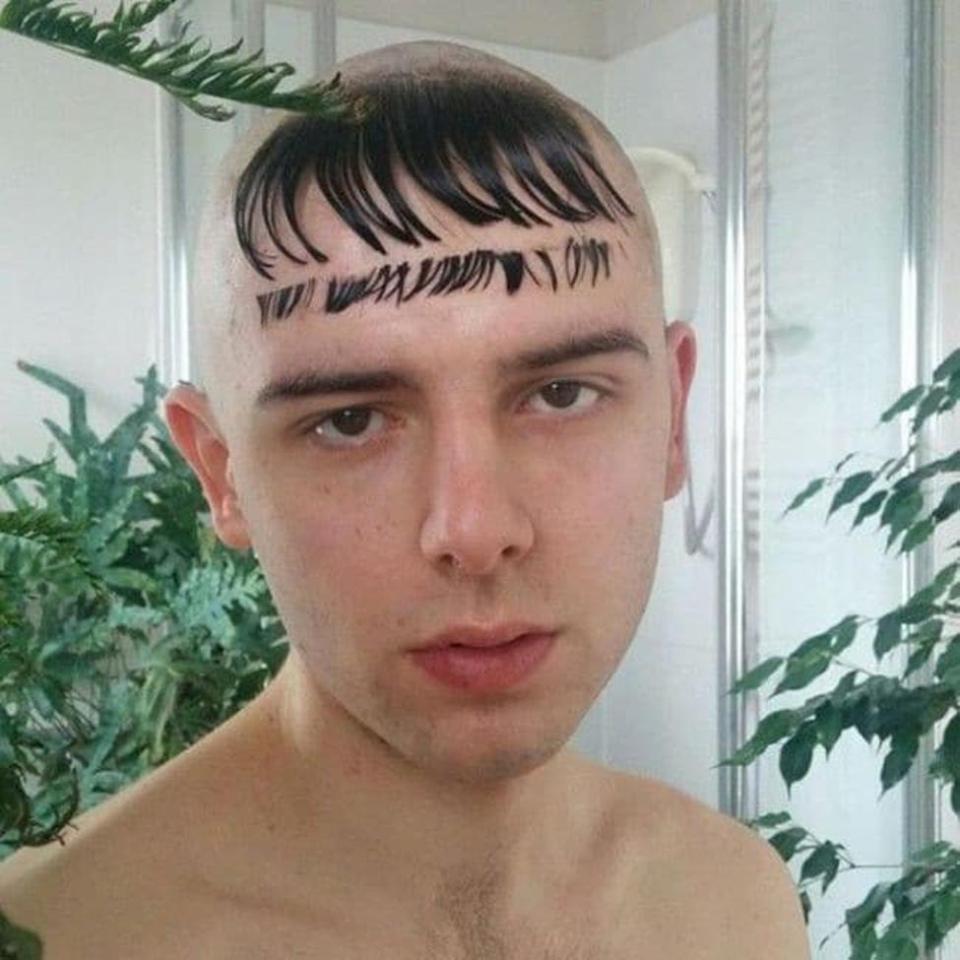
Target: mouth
[[475, 646], [492, 668], [472, 636]]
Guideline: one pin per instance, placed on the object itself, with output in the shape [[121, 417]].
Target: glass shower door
[[835, 202]]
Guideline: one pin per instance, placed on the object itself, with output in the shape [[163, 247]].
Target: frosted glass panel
[[834, 236]]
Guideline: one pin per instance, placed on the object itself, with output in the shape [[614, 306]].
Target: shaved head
[[435, 136]]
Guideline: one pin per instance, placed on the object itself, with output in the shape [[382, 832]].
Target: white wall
[[78, 249]]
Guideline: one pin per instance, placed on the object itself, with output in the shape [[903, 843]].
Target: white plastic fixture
[[674, 189]]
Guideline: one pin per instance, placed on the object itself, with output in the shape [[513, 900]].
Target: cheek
[[323, 534], [610, 525], [322, 547], [611, 488]]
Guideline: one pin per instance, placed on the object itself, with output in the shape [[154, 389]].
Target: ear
[[681, 343], [196, 434]]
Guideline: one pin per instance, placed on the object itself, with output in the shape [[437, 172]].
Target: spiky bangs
[[452, 134]]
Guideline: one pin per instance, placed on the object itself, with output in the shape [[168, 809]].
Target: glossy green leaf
[[829, 721], [939, 850], [861, 713], [896, 948], [844, 687], [948, 576], [809, 491], [774, 726], [900, 509], [904, 402], [823, 862], [900, 462], [775, 819], [923, 642], [898, 761], [888, 634], [950, 657], [869, 507], [755, 677], [917, 534], [929, 406], [948, 367], [953, 387], [916, 610], [951, 746], [800, 671], [870, 908], [844, 633], [949, 503], [818, 861], [864, 943], [851, 488], [797, 753], [786, 842], [771, 728], [929, 630], [843, 462]]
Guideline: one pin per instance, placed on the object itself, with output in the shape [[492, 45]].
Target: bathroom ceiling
[[587, 28]]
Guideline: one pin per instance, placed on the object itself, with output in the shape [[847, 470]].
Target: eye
[[566, 392], [350, 422], [351, 426]]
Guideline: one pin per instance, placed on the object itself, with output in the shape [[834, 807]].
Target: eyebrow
[[581, 259], [311, 383]]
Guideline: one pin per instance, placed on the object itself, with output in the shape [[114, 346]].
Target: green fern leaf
[[187, 69]]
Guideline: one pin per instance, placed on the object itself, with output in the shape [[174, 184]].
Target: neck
[[343, 802]]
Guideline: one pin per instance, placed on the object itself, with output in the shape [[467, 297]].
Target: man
[[439, 399]]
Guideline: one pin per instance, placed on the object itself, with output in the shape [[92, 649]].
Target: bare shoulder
[[111, 887], [698, 862]]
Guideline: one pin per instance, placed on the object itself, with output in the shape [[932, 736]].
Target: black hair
[[436, 128]]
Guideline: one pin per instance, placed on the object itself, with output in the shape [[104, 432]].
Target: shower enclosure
[[828, 180]]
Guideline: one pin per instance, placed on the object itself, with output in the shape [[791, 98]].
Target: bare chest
[[623, 922], [464, 937]]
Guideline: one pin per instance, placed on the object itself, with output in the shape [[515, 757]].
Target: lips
[[486, 670], [473, 635]]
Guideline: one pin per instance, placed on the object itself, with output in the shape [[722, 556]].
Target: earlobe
[[682, 359], [195, 432]]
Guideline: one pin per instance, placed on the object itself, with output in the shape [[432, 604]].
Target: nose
[[474, 519]]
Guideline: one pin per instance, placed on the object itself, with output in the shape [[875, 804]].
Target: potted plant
[[127, 630]]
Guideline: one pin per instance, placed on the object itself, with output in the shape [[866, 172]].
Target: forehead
[[441, 307], [487, 284]]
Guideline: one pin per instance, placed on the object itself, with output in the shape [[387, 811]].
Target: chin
[[495, 754]]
